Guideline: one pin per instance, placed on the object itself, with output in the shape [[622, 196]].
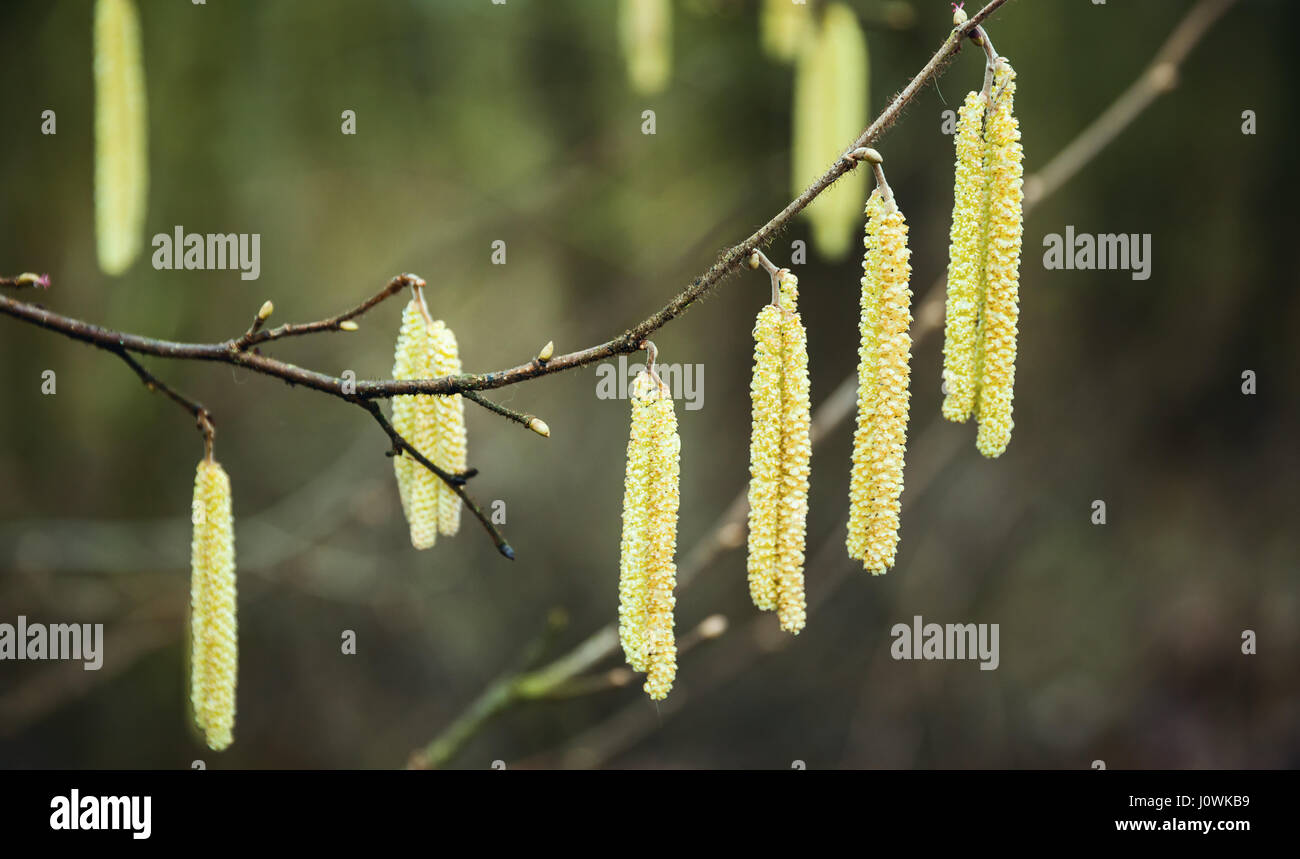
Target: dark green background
[[479, 122]]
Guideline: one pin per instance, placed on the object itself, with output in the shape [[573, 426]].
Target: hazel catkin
[[831, 87], [634, 547], [660, 646], [765, 484], [451, 449], [433, 425], [1001, 311], [965, 263], [647, 567], [415, 419], [646, 35], [214, 635], [779, 453], [868, 360], [121, 136], [796, 453], [880, 440]]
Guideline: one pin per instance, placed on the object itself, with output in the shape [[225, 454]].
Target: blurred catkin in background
[[121, 135]]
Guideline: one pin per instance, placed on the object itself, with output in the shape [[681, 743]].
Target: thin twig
[[202, 417], [254, 337], [27, 279], [533, 422], [401, 447]]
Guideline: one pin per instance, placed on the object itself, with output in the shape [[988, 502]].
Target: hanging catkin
[[451, 446], [647, 569], [965, 263], [646, 35], [860, 507], [634, 548], [415, 419], [121, 135], [1001, 311], [765, 484], [782, 27], [779, 451], [796, 453], [433, 425], [830, 109], [214, 640], [880, 440]]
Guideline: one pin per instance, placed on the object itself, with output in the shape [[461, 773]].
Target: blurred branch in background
[[620, 731]]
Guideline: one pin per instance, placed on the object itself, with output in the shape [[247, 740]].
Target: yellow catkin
[[214, 637], [414, 419], [765, 458], [965, 263], [880, 442], [830, 110], [782, 27], [796, 454], [452, 448], [869, 330], [1002, 266], [121, 136], [661, 572], [647, 569], [780, 452], [646, 34], [635, 545]]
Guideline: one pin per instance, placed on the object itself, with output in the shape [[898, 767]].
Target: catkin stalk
[[214, 640], [1002, 266], [121, 136]]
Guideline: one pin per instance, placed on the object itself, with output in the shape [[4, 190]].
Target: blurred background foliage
[[478, 122]]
